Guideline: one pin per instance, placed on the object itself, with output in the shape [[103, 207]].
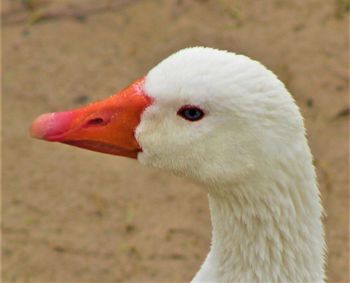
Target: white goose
[[225, 121]]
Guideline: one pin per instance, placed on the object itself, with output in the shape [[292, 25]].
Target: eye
[[191, 113]]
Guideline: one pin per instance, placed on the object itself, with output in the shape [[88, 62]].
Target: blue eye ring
[[191, 113]]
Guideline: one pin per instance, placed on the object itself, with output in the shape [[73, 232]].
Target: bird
[[227, 123]]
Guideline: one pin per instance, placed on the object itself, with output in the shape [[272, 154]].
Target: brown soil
[[71, 215]]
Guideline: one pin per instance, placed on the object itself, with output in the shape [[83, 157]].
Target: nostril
[[95, 122]]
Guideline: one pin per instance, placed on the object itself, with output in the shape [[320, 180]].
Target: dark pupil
[[193, 114]]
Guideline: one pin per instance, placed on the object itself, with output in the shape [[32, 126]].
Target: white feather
[[250, 154]]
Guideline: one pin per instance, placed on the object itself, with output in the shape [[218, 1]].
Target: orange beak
[[106, 126]]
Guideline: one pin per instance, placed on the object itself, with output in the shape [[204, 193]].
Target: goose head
[[225, 121], [210, 115]]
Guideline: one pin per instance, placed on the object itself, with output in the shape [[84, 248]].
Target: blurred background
[[70, 215]]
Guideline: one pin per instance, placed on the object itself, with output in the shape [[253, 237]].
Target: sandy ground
[[71, 215]]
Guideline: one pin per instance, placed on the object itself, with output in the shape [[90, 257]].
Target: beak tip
[[39, 126], [51, 126]]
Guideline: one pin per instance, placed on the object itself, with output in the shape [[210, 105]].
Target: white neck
[[273, 237]]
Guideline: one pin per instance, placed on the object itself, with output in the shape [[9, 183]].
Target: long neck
[[266, 231]]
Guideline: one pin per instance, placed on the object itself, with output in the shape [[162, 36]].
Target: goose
[[225, 122]]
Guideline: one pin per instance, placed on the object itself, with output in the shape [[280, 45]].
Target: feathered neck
[[266, 230]]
